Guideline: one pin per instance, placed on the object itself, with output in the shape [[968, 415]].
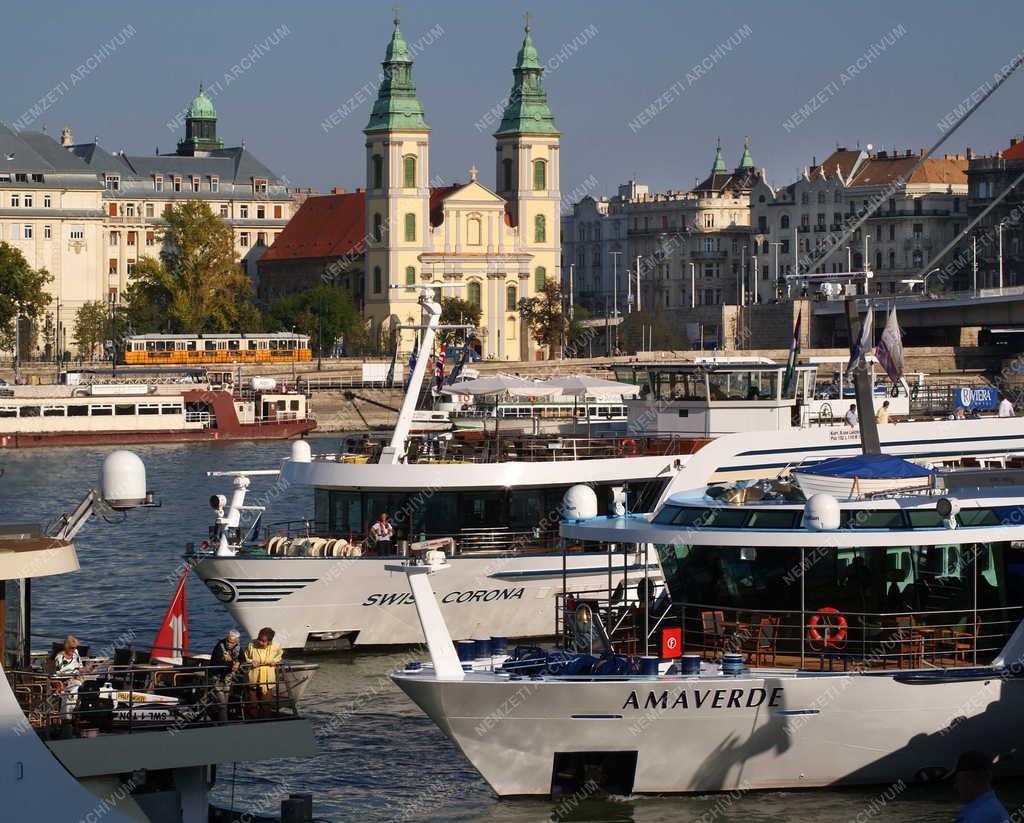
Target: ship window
[[979, 517], [78, 410], [766, 519], [53, 411], [882, 519], [149, 408], [30, 411], [8, 411], [295, 405], [925, 519], [170, 409], [101, 411], [124, 409]]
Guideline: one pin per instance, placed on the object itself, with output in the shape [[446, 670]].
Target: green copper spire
[[200, 126], [527, 110], [746, 161], [396, 106], [719, 165]]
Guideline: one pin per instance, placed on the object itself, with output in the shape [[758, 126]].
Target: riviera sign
[[712, 698]]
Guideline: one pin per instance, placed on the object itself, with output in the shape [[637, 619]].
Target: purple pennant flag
[[889, 350]]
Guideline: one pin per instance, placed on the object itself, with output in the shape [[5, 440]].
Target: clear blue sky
[[628, 54]]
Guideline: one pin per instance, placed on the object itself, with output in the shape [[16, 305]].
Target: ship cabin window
[[29, 411], [170, 408], [124, 409], [54, 411], [678, 386], [78, 410], [8, 411], [149, 408], [756, 384], [101, 410]]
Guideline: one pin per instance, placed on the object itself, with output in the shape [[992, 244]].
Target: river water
[[381, 759]]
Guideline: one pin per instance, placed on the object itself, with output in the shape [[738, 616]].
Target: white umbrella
[[580, 385], [502, 384]]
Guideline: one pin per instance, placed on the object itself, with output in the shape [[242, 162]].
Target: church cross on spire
[[526, 20], [396, 10]]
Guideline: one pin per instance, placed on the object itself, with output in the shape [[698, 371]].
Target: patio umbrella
[[584, 385], [502, 385]]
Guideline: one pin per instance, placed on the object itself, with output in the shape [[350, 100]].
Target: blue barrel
[[689, 665], [732, 664], [499, 645], [466, 649], [649, 665], [413, 666], [483, 648]]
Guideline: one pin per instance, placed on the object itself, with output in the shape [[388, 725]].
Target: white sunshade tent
[[502, 384], [579, 385]]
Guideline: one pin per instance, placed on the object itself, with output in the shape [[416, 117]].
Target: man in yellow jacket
[[263, 656]]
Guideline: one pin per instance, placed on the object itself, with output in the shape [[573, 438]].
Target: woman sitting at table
[[67, 663]]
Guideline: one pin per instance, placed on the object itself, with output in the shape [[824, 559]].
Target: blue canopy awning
[[868, 466]]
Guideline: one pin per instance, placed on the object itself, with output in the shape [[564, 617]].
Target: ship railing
[[821, 639], [198, 417], [108, 698]]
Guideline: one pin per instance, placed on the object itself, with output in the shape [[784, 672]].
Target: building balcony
[[820, 227], [919, 241], [803, 229], [709, 255], [835, 227]]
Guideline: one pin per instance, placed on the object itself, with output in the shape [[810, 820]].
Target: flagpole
[[869, 441]]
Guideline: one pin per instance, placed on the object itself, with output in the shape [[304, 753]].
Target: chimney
[[969, 154], [360, 190], [337, 190], [1013, 142]]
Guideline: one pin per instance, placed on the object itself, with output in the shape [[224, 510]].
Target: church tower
[[527, 166], [200, 127], [397, 186]]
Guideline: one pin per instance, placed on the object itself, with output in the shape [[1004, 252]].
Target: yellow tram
[[188, 349]]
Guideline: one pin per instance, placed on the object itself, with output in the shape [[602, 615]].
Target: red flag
[[671, 643], [171, 643]]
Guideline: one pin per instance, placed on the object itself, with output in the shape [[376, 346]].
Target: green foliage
[[92, 327], [22, 292], [456, 311], [197, 285], [548, 323], [302, 311]]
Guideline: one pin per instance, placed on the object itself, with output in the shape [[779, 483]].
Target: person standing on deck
[[1006, 407], [851, 416], [383, 534]]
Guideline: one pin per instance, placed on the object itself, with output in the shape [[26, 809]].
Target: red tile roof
[[332, 225], [1015, 151], [843, 159], [438, 194], [881, 171]]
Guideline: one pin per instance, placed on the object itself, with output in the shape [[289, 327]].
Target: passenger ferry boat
[[499, 501], [130, 738], [148, 409], [825, 642]]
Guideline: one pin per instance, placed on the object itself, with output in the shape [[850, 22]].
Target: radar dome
[[301, 452], [821, 513], [579, 503], [123, 480]]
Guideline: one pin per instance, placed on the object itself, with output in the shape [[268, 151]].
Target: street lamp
[[639, 302], [693, 285], [615, 282], [929, 274], [778, 277], [849, 259]]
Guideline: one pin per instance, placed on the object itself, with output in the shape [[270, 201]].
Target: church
[[490, 246]]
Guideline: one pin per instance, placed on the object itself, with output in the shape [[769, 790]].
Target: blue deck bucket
[[499, 645], [483, 648], [649, 665], [732, 664], [466, 649], [689, 665]]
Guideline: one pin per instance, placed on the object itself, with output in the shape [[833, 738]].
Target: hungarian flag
[[889, 350], [171, 643], [794, 355], [863, 344], [412, 364], [439, 368]]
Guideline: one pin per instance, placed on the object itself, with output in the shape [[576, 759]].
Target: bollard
[[307, 803], [293, 810]]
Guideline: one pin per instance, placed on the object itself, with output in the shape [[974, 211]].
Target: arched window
[[878, 260], [473, 231], [378, 233], [510, 298], [540, 277], [764, 247], [540, 175], [410, 275], [540, 229], [473, 294], [410, 226], [378, 171], [409, 171], [506, 174], [376, 280], [785, 221]]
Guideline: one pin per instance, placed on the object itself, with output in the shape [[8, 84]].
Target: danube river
[[381, 759]]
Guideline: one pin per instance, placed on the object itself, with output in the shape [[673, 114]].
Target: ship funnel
[[123, 480]]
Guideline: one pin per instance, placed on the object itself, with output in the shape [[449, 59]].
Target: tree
[[22, 292], [454, 312], [301, 311], [548, 323], [197, 285], [92, 327]]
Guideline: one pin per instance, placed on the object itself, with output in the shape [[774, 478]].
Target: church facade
[[492, 246]]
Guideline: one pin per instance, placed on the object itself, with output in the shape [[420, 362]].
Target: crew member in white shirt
[[383, 534], [851, 416], [1006, 407]]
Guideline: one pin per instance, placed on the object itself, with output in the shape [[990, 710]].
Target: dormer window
[[259, 185], [158, 183], [177, 184], [195, 184], [113, 182], [215, 184]]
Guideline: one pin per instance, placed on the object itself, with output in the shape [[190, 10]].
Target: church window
[[540, 175], [376, 280], [540, 229], [506, 172], [409, 171], [540, 278], [378, 171], [473, 293], [510, 298], [377, 231], [473, 231], [410, 275], [410, 227]]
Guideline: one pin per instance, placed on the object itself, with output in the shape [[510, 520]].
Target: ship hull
[[284, 430]]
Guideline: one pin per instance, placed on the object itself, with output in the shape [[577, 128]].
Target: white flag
[[890, 348], [867, 337]]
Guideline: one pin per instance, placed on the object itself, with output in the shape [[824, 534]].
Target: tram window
[[78, 410], [124, 409], [882, 519], [210, 345], [232, 345], [924, 519], [8, 411], [979, 517], [149, 408], [150, 345], [53, 411], [101, 411], [273, 344], [190, 345], [29, 411]]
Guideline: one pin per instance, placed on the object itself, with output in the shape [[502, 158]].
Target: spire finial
[[200, 86], [396, 10], [526, 19], [472, 173]]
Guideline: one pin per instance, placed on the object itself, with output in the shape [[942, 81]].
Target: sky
[[639, 90]]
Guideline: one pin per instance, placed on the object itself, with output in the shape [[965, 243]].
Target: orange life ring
[[629, 446], [832, 618]]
